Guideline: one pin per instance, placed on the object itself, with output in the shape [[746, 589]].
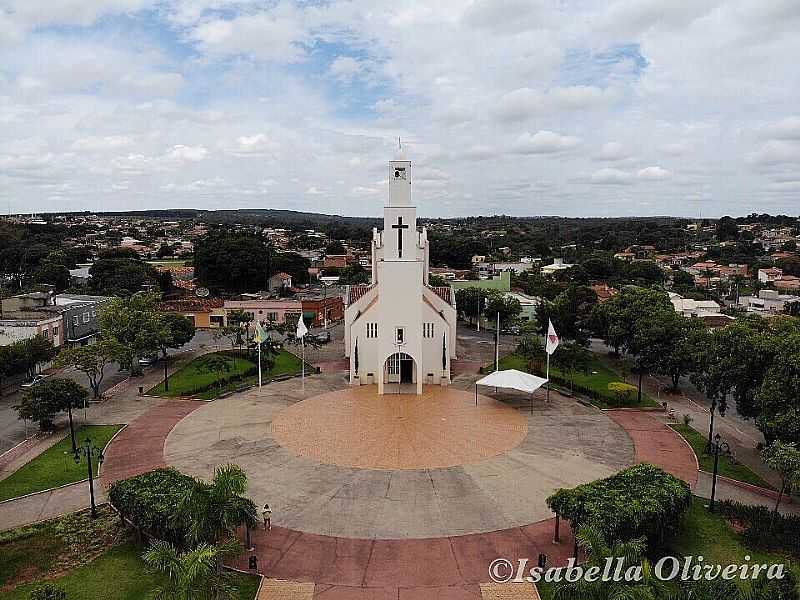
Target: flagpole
[[303, 360], [259, 364], [547, 376], [497, 344]]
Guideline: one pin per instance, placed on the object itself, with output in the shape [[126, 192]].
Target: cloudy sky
[[523, 107]]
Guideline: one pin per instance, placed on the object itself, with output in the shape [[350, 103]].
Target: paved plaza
[[490, 467]]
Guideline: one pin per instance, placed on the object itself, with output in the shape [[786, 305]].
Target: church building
[[398, 329]]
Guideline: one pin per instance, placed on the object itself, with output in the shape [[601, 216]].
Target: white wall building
[[558, 265], [400, 329]]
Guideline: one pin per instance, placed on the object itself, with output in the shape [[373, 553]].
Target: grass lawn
[[61, 547], [192, 376], [597, 378], [56, 465], [727, 468], [712, 537]]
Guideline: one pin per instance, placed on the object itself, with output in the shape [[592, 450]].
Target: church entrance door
[[406, 369]]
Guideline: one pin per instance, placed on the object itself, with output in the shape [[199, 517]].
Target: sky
[[517, 107]]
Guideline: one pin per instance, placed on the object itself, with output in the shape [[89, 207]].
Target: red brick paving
[[334, 366], [657, 444], [448, 568], [435, 568], [140, 446]]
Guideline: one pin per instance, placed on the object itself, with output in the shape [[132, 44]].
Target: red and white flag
[[552, 338]]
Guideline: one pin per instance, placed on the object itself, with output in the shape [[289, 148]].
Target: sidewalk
[[728, 491]]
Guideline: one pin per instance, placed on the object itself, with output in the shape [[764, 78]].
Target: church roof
[[356, 291], [443, 292]]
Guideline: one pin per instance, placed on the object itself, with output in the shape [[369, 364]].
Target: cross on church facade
[[399, 228]]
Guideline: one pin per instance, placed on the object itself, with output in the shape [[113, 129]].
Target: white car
[[36, 380]]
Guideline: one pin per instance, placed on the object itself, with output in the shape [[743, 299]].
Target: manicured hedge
[[150, 502], [640, 501], [783, 536]]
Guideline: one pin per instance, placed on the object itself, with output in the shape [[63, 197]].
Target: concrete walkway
[[729, 491], [47, 505]]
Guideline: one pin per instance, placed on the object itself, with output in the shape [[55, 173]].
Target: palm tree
[[214, 510], [597, 551], [191, 575]]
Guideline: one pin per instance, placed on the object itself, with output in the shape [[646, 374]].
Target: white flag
[[552, 338], [301, 328]]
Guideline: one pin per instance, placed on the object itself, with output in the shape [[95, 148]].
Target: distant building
[[768, 302], [693, 308], [769, 275], [275, 310], [204, 313], [604, 292], [500, 281], [279, 281], [319, 309], [788, 283], [558, 265]]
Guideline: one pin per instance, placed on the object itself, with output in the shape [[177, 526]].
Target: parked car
[[513, 330], [36, 380], [323, 337], [146, 361]]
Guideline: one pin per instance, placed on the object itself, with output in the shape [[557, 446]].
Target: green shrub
[[47, 591], [150, 502], [624, 393], [760, 531], [639, 501]]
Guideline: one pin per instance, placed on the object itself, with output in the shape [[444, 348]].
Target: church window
[[427, 330], [399, 335], [372, 330], [393, 364]]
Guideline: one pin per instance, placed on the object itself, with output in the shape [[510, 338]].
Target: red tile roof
[[443, 292], [357, 291], [191, 305]]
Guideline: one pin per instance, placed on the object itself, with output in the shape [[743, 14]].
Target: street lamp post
[[710, 443], [89, 451], [718, 446]]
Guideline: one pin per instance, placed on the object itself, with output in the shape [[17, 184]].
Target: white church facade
[[398, 329]]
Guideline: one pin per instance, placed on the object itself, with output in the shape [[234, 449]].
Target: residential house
[[321, 309], [204, 313], [768, 302], [769, 275], [266, 309], [279, 281], [81, 317]]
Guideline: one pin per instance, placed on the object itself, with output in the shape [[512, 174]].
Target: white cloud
[[786, 129], [776, 152], [544, 142], [186, 154], [314, 191], [609, 176], [653, 174], [257, 145]]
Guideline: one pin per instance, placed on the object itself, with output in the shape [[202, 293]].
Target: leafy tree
[[470, 301], [191, 575], [214, 510], [785, 460], [571, 357], [727, 229], [54, 274], [35, 352], [91, 360], [353, 275], [174, 331], [681, 280], [133, 324], [615, 320], [570, 312], [44, 401], [677, 349], [508, 307], [436, 281], [644, 272], [790, 265], [633, 554], [47, 591], [232, 262], [125, 277], [293, 264]]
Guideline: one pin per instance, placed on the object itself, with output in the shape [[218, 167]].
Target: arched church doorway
[[400, 368]]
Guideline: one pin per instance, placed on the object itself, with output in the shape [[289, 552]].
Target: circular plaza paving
[[352, 464]]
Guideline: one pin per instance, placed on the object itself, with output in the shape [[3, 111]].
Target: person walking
[[266, 512]]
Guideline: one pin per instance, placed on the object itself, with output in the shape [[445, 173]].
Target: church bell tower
[[399, 216]]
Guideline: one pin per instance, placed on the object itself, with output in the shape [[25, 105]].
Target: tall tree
[[785, 460], [230, 262], [132, 323], [173, 331], [44, 401], [92, 361]]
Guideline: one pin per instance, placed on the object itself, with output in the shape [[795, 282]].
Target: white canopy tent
[[511, 379]]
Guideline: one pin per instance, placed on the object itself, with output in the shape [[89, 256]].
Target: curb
[[756, 489]]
